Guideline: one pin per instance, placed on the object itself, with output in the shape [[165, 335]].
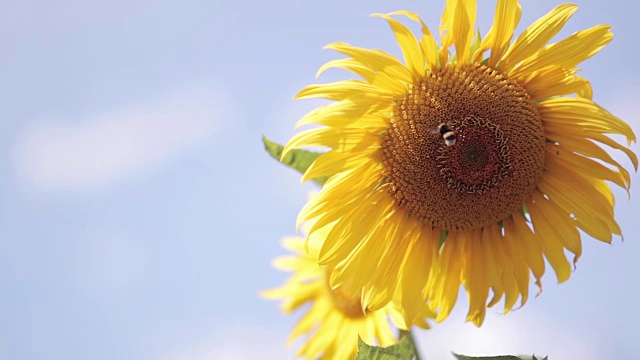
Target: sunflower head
[[495, 163], [467, 164]]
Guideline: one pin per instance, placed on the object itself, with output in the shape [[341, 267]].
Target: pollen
[[492, 168]]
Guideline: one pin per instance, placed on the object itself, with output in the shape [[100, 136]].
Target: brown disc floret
[[494, 164]]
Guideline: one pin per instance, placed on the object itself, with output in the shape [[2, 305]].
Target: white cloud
[[517, 333], [514, 334], [112, 260], [109, 147], [238, 343]]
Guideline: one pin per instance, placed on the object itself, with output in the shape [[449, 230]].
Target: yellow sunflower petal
[[554, 81], [610, 142], [333, 162], [317, 205], [506, 282], [348, 64], [511, 289], [427, 41], [506, 19], [408, 45], [316, 345], [361, 111], [376, 60], [585, 165], [604, 190], [387, 272], [384, 81], [583, 114], [365, 256], [366, 330], [532, 250], [350, 230], [285, 263], [587, 148], [494, 264], [342, 90], [383, 333], [567, 53], [547, 238], [303, 294], [581, 183], [583, 198], [306, 323], [514, 256], [477, 275], [586, 218], [458, 19], [445, 291], [562, 225], [593, 131], [421, 245], [537, 35], [345, 139]]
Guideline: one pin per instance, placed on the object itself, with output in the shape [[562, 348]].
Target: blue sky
[[139, 212]]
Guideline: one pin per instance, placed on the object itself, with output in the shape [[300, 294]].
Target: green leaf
[[296, 159], [443, 237], [524, 212], [403, 350], [477, 41], [501, 357]]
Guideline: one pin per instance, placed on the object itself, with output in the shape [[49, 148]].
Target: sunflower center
[[479, 160], [481, 166], [342, 301]]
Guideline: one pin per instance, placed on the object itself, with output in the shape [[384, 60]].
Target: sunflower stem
[[409, 335]]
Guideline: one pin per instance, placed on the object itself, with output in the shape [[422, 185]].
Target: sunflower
[[335, 319], [467, 165]]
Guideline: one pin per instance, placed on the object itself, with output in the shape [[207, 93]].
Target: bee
[[447, 133]]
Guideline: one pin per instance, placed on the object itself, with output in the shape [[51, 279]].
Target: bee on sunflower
[[515, 167]]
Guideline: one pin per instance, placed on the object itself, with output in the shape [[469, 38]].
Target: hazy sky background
[[139, 213]]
